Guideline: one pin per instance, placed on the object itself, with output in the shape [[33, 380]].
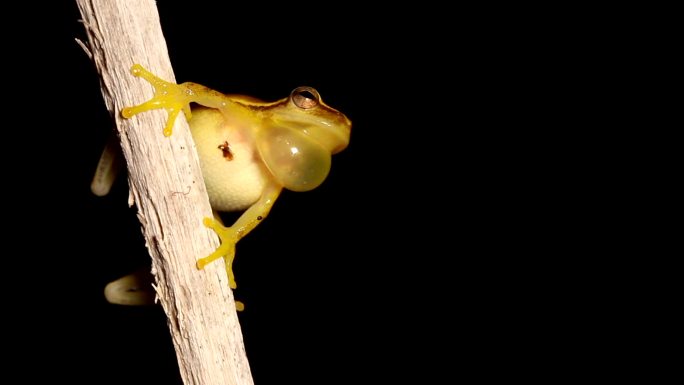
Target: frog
[[249, 151]]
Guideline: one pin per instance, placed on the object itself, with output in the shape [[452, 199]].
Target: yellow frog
[[250, 150]]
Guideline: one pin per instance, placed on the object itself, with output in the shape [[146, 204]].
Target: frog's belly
[[233, 184]]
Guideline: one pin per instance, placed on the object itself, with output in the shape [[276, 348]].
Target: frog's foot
[[172, 97], [133, 289], [226, 251]]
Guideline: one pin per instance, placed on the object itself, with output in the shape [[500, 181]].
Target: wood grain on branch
[[166, 186]]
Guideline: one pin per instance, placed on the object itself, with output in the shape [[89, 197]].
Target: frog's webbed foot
[[172, 97], [229, 238]]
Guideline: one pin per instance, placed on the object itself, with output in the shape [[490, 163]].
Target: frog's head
[[305, 111], [297, 141]]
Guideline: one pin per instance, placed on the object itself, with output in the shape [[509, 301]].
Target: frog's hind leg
[[107, 168], [133, 289]]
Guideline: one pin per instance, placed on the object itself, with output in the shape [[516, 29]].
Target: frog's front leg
[[231, 235], [174, 98]]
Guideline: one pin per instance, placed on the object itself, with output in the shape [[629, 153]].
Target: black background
[[400, 266]]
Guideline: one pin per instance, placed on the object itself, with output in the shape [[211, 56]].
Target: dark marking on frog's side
[[225, 147]]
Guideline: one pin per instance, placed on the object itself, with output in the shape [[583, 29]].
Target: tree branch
[[166, 185]]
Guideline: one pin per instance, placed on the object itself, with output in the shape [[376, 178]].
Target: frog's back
[[233, 171]]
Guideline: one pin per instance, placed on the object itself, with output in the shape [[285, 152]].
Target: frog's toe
[[137, 70], [129, 112], [220, 252], [140, 72]]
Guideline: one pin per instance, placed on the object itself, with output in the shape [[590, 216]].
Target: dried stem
[[167, 187]]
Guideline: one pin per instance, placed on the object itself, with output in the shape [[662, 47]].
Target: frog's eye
[[305, 97], [296, 161]]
